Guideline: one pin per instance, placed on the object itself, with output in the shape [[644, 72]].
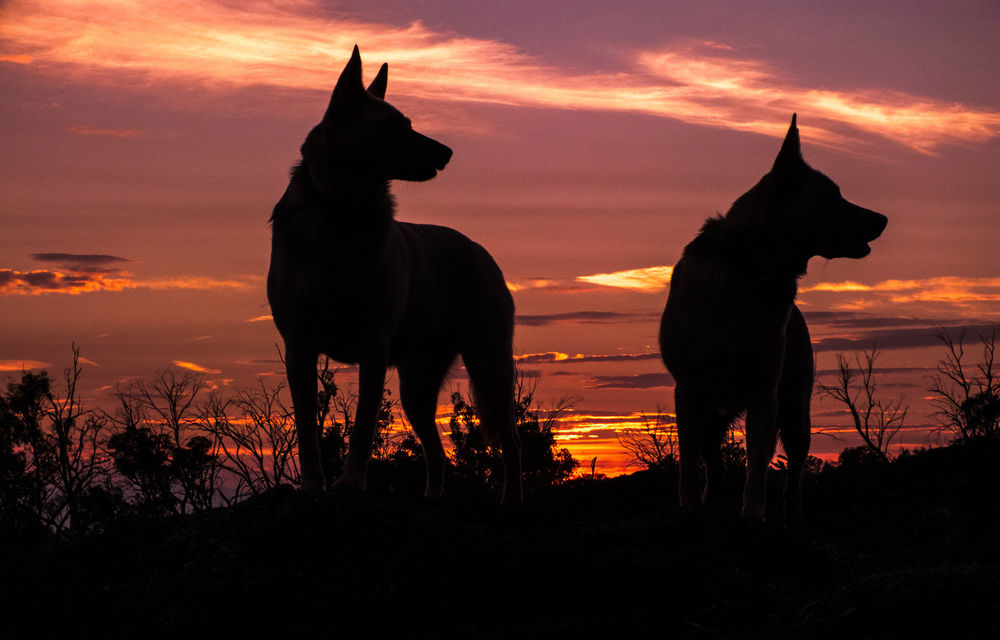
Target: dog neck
[[348, 202], [754, 258]]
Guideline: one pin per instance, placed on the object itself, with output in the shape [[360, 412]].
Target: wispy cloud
[[197, 283], [748, 94], [190, 366], [583, 317], [633, 381], [16, 59], [22, 365], [649, 279], [549, 285], [962, 293], [42, 281], [89, 272], [897, 338], [84, 130], [82, 262], [645, 279], [297, 45], [565, 358]]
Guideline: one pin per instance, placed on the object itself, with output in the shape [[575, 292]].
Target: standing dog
[[731, 334], [348, 280]]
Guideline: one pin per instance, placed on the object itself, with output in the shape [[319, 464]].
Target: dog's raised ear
[[791, 150], [349, 87], [377, 87]]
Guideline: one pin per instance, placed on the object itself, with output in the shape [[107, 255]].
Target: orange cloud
[[22, 365], [294, 44], [17, 59], [556, 356], [190, 366], [648, 279], [199, 283], [41, 281], [951, 289], [747, 94]]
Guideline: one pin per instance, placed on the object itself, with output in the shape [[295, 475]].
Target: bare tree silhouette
[[257, 445], [968, 398], [53, 451], [159, 448], [654, 444], [875, 419]]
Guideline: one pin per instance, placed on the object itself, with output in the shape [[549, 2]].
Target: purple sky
[[143, 146]]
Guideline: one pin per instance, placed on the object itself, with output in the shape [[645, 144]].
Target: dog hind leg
[[712, 429], [491, 372], [689, 443], [762, 437], [794, 396]]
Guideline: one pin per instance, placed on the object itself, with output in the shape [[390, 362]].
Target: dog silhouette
[[349, 281], [732, 336]]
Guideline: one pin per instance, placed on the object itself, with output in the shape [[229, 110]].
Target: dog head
[[814, 218], [364, 138]]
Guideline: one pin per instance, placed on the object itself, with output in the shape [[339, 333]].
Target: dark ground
[[909, 550]]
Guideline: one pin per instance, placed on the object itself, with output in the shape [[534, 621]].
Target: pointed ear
[[349, 85], [377, 87], [791, 149]]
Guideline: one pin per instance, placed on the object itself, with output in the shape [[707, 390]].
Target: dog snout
[[866, 222], [876, 223], [444, 155]]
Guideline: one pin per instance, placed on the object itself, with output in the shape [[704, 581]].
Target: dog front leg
[[300, 366], [761, 436], [371, 381]]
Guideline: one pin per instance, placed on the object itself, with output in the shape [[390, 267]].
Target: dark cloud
[[634, 381], [588, 317], [856, 320], [887, 339], [878, 370], [42, 281], [82, 262]]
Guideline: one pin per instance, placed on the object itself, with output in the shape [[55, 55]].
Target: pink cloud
[[293, 45]]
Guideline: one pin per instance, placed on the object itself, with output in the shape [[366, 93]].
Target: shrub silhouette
[[52, 464], [476, 459]]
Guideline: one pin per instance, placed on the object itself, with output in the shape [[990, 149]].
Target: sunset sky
[[143, 146]]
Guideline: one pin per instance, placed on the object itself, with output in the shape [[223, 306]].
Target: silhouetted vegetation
[[968, 396], [170, 447], [886, 548], [475, 458], [654, 444], [875, 419]]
